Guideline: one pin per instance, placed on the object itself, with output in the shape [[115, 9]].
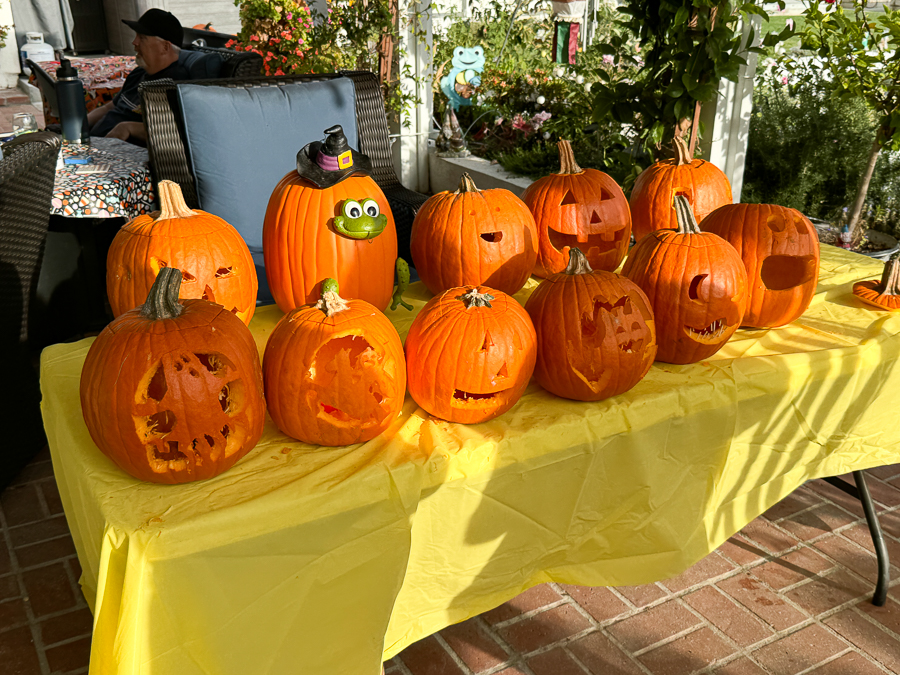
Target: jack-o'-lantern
[[780, 250], [696, 284], [595, 332], [215, 262], [578, 207], [883, 293], [172, 391], [471, 237], [329, 219], [334, 372], [702, 183], [470, 353]]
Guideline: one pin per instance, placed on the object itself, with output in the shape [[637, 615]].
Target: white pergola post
[[726, 120], [410, 149]]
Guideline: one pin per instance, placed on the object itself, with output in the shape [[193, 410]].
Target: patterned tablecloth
[[125, 190], [102, 77]]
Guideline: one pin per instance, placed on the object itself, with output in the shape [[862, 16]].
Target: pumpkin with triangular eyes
[[701, 183], [472, 237], [780, 250], [214, 260], [696, 284], [595, 330], [470, 353], [578, 207]]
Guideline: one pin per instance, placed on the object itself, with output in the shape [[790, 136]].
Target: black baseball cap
[[159, 23]]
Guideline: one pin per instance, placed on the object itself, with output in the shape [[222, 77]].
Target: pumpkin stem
[[330, 303], [578, 263], [162, 300], [466, 184], [890, 278], [171, 201], [687, 224], [682, 152], [567, 163], [475, 299]]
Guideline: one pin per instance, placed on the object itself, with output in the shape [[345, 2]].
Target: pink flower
[[521, 124], [784, 79], [290, 15], [607, 58]]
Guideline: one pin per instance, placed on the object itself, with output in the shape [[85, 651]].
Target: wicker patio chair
[[27, 171], [169, 159]]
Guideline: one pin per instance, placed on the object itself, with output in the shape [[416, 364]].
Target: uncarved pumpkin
[[472, 237], [595, 332], [470, 353], [214, 260], [696, 284], [301, 245], [172, 391], [780, 251], [334, 372], [884, 293], [578, 207], [702, 183]]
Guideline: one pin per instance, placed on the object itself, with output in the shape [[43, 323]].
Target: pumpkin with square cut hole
[[334, 372], [780, 250], [172, 391], [471, 237], [214, 260], [595, 332], [701, 183], [470, 353], [578, 207], [696, 284], [883, 293]]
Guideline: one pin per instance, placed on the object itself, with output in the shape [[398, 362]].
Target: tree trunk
[[856, 211]]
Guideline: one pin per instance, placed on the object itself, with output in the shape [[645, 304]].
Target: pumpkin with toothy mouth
[[696, 284]]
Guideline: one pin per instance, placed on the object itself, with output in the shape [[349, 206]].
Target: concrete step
[[13, 97]]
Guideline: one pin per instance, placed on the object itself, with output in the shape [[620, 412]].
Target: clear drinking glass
[[23, 123]]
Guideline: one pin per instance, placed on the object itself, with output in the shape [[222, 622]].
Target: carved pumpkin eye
[[775, 222], [371, 208], [694, 289], [352, 209]]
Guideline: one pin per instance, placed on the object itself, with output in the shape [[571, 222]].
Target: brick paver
[[786, 596]]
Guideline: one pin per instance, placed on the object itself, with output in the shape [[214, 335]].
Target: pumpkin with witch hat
[[329, 219]]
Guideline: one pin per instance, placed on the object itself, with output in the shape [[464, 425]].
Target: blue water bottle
[[70, 99]]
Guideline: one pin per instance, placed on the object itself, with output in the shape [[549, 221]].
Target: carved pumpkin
[[578, 207], [469, 354], [471, 237], [172, 391], [696, 284], [702, 183], [780, 250], [595, 332], [302, 245], [214, 260], [334, 372], [884, 294]]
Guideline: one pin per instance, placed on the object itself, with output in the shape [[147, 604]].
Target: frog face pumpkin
[[360, 219]]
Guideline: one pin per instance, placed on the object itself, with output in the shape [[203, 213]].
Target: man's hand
[[126, 130]]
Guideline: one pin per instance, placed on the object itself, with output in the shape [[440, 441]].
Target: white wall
[[9, 55]]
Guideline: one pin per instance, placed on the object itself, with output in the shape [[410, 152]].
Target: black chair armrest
[[46, 84]]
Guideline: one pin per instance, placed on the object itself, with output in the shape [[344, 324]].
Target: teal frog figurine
[[459, 84]]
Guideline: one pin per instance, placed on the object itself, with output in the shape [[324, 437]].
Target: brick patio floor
[[788, 595]]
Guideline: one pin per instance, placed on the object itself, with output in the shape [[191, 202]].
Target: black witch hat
[[327, 163]]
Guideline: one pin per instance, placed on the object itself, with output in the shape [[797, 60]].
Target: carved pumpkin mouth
[[782, 272], [336, 413], [631, 346], [710, 334], [594, 245], [463, 397]]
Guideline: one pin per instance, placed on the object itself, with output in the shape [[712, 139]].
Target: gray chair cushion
[[241, 142]]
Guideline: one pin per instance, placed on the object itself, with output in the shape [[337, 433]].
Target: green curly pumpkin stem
[[330, 303], [402, 284], [466, 184], [687, 224], [567, 163], [578, 263], [162, 300], [890, 277], [473, 298]]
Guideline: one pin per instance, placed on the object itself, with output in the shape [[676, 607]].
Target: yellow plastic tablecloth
[[325, 561]]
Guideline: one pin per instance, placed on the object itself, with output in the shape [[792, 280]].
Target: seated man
[[157, 44]]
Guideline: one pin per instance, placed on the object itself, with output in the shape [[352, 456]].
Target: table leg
[[861, 492]]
